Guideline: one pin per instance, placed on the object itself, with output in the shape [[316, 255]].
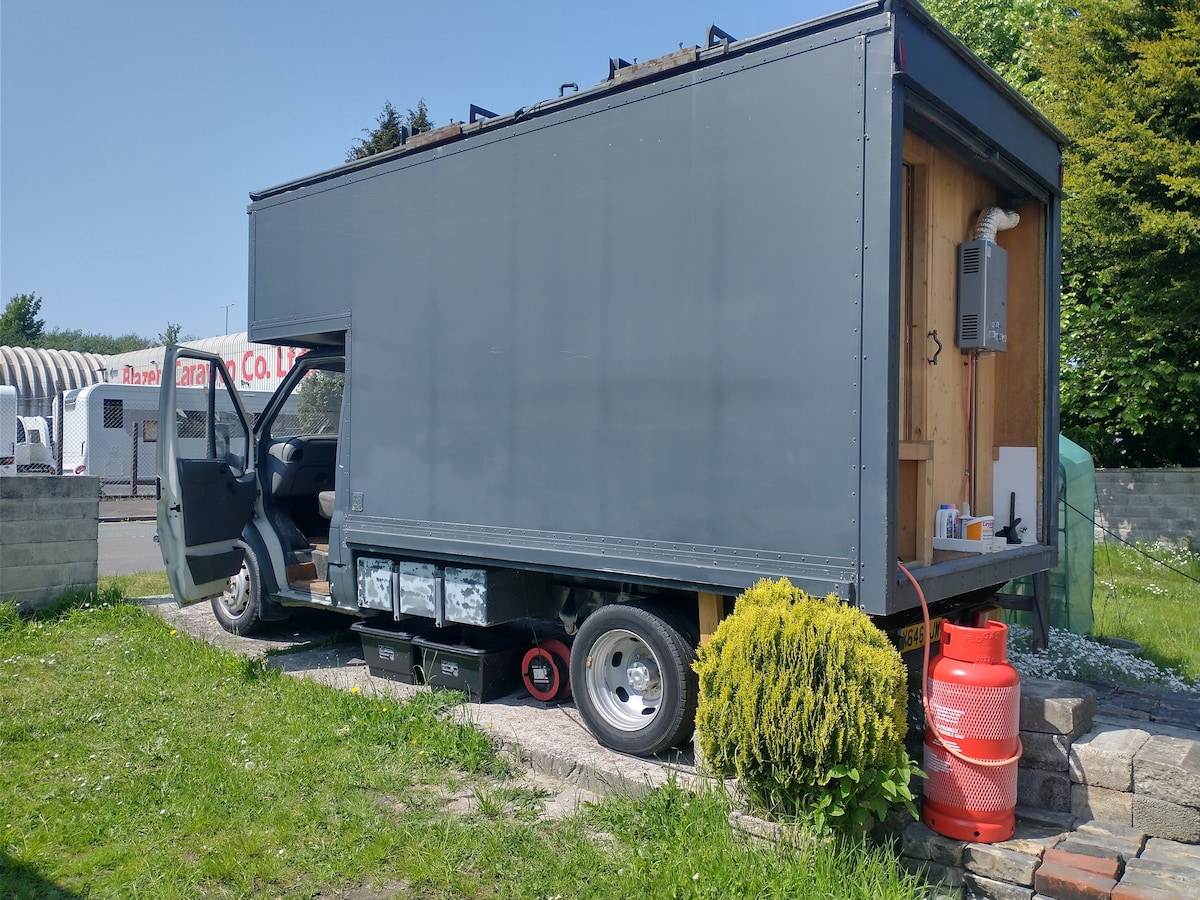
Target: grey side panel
[[1007, 123], [626, 343], [881, 161], [282, 306]]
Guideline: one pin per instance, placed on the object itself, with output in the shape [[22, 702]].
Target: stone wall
[[1149, 504], [1108, 804], [48, 537]]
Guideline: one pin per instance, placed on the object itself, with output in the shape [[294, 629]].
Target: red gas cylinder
[[972, 745]]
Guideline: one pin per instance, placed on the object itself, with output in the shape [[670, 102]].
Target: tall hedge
[[794, 688]]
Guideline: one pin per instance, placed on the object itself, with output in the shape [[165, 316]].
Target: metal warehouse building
[[39, 374]]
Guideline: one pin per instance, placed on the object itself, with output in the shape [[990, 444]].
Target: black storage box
[[390, 653], [486, 666]]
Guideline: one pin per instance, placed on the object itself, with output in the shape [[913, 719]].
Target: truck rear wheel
[[631, 671], [239, 608]]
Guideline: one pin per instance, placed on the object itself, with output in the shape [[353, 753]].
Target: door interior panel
[[216, 503]]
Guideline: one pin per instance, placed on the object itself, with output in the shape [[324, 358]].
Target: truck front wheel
[[239, 608], [631, 670]]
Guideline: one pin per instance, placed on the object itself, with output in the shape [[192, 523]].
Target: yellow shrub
[[792, 686]]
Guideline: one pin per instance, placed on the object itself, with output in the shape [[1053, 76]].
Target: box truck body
[[625, 352]]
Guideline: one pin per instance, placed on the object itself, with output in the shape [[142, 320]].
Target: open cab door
[[207, 482]]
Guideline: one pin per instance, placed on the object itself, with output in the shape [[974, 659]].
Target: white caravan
[[111, 430], [34, 450], [8, 429]]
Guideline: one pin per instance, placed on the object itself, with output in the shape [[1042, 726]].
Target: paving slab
[[977, 887], [1147, 725], [1135, 886], [1102, 804], [1056, 707], [1044, 751], [1032, 839], [1182, 709], [1048, 818], [1112, 829], [1049, 790], [919, 841], [933, 873], [1001, 864], [1159, 848], [1120, 850], [1168, 768], [1104, 757], [1185, 874], [1164, 819]]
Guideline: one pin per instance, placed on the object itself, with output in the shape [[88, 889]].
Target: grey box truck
[[609, 359]]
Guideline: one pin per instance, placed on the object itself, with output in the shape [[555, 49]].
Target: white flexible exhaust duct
[[991, 220]]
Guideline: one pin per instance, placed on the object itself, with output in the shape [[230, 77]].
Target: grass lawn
[[140, 762], [1144, 601]]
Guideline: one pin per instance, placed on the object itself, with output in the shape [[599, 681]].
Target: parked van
[[752, 309]]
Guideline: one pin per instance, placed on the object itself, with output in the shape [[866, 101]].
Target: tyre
[[631, 673], [239, 608]]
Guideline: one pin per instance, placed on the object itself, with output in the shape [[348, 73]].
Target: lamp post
[[227, 305]]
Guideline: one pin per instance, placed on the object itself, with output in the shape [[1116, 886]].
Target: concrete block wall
[[1149, 504], [48, 537]]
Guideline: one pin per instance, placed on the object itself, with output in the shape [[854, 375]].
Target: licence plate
[[912, 637]]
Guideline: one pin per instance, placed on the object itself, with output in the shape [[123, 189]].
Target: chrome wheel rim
[[236, 596], [624, 680]]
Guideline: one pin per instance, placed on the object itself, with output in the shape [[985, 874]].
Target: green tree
[[1002, 32], [87, 342], [388, 130], [19, 324], [320, 404], [170, 335], [1124, 85]]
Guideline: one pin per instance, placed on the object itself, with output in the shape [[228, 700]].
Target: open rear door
[[207, 483]]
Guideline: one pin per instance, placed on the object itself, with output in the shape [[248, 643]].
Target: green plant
[[674, 842], [849, 797], [804, 701]]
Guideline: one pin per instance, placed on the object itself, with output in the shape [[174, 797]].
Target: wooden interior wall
[[945, 200], [1020, 377]]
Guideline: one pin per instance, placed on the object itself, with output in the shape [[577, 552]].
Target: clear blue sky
[[131, 131]]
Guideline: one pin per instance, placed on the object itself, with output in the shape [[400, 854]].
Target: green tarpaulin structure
[[1073, 580]]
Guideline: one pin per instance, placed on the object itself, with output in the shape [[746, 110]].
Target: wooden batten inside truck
[[608, 360]]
